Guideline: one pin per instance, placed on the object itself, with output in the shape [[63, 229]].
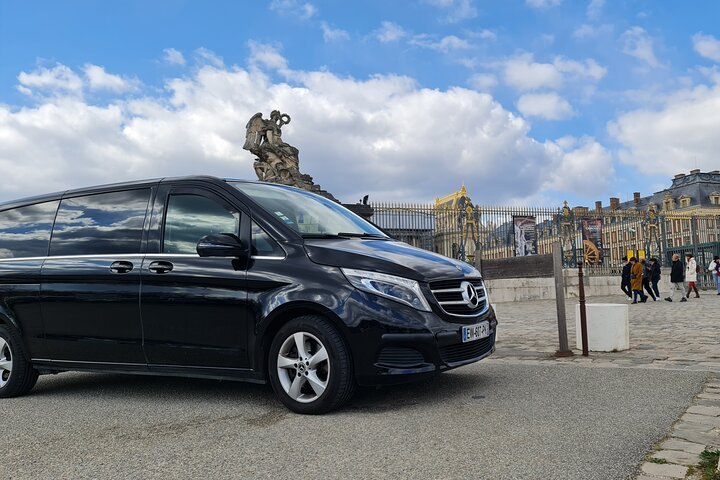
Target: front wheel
[[310, 367], [17, 376]]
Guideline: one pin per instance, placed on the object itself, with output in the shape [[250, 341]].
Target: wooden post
[[564, 350]]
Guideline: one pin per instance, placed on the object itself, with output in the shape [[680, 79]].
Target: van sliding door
[[90, 292]]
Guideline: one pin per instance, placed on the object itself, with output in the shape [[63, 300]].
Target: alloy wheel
[[6, 362], [303, 367]]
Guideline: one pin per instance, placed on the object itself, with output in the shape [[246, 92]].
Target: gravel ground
[[484, 421]]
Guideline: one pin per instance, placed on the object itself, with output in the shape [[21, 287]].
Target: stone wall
[[519, 289]]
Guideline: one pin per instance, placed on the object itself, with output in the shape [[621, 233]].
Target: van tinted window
[[25, 231], [263, 245], [105, 223], [191, 217]]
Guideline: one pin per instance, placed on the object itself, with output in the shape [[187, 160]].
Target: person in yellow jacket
[[636, 281]]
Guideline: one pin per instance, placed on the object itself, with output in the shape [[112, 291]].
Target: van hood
[[384, 256]]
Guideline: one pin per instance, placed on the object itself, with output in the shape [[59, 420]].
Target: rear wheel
[[17, 375], [310, 367]]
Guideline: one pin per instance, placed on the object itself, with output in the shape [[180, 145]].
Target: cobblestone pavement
[[663, 335], [677, 335]]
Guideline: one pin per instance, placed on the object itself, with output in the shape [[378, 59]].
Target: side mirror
[[221, 245]]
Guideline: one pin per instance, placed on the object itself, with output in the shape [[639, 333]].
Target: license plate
[[475, 332]]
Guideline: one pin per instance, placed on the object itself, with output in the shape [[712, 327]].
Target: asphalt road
[[483, 421]]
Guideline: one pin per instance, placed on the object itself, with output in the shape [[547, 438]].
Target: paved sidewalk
[[663, 335], [677, 335]]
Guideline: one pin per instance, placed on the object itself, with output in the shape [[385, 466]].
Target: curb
[[697, 429]]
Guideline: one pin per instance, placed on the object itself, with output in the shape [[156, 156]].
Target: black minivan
[[228, 279]]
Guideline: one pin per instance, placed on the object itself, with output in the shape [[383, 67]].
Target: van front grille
[[453, 297]]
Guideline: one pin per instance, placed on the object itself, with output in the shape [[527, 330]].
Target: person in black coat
[[647, 272], [625, 278], [655, 275], [677, 277]]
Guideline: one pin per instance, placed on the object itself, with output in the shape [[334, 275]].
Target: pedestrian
[[677, 277], [714, 268], [646, 278], [625, 278], [691, 271], [636, 281], [655, 276]]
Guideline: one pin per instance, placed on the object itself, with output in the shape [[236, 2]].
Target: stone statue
[[276, 160]]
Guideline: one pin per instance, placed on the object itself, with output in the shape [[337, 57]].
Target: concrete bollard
[[607, 326]]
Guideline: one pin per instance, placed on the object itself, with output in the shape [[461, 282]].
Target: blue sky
[[524, 101]]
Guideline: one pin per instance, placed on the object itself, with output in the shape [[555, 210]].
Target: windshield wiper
[[362, 235], [373, 236]]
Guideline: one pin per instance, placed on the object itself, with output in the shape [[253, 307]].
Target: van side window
[[263, 245], [191, 217], [104, 223], [25, 231]]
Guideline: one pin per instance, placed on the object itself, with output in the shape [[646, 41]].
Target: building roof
[[697, 186]]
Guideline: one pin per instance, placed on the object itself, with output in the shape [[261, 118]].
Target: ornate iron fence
[[598, 238]]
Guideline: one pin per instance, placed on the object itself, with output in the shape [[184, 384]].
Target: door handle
[[121, 267], [160, 267]]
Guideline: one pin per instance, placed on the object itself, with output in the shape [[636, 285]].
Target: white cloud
[[99, 79], [266, 56], [677, 136], [549, 106], [56, 80], [586, 31], [383, 135], [173, 57], [294, 8], [458, 10], [543, 3], [589, 69], [707, 46], [390, 32], [208, 57], [333, 34], [445, 44], [484, 34], [594, 8], [637, 43], [483, 81], [523, 73], [575, 162]]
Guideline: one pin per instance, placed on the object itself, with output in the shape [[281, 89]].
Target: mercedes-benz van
[[228, 279]]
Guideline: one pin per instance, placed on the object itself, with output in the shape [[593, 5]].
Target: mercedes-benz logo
[[469, 294]]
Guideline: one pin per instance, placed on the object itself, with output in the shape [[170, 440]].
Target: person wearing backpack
[[714, 267], [691, 271]]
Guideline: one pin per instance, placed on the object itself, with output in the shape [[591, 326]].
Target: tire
[[315, 381], [17, 375]]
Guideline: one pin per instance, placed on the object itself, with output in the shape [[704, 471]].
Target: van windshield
[[311, 215]]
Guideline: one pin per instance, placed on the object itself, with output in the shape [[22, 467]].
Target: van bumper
[[409, 356]]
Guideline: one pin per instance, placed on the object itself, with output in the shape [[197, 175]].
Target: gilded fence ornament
[[567, 234], [651, 230]]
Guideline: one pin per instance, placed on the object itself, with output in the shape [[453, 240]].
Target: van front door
[[194, 309]]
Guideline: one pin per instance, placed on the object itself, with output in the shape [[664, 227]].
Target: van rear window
[[25, 231], [104, 223]]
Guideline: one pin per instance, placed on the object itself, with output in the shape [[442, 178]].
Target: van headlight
[[395, 288]]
